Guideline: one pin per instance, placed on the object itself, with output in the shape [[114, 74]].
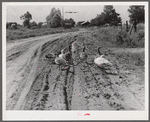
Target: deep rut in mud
[[79, 86]]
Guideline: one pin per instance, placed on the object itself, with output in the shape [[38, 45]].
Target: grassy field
[[108, 36], [115, 37], [22, 32]]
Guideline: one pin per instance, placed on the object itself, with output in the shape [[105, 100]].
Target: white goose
[[62, 55], [66, 55], [62, 59], [101, 61], [61, 62]]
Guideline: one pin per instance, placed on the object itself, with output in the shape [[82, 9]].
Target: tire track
[[58, 84], [28, 85]]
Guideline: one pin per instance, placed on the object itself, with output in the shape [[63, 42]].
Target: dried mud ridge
[[37, 84]]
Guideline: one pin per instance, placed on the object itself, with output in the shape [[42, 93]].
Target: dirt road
[[34, 83]]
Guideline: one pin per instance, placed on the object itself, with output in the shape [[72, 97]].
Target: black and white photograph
[[75, 60]]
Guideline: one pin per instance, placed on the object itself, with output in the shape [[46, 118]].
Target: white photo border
[[72, 115]]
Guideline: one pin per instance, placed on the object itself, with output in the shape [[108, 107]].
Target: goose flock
[[62, 58]]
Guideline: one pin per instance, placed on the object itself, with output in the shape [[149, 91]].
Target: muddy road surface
[[34, 82]]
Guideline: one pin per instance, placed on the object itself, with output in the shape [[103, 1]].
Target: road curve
[[33, 82]]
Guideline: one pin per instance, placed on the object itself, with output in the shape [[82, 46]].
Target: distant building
[[55, 20], [79, 23], [106, 25], [44, 23], [83, 23]]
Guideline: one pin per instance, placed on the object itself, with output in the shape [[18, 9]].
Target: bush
[[133, 40], [24, 29], [140, 26], [138, 39], [34, 27], [141, 34], [122, 37], [40, 24], [135, 58], [44, 26]]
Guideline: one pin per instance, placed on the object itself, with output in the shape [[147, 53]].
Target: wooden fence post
[[127, 27], [131, 29]]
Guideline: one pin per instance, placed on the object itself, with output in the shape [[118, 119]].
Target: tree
[[40, 24], [108, 13], [26, 17], [33, 24], [136, 13], [54, 23], [101, 19], [111, 16], [54, 18], [72, 22], [108, 16]]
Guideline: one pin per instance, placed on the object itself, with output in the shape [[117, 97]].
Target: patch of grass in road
[[134, 58], [14, 56]]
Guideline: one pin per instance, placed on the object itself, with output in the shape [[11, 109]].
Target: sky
[[39, 12]]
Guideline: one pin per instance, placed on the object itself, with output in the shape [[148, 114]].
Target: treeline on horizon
[[108, 16]]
